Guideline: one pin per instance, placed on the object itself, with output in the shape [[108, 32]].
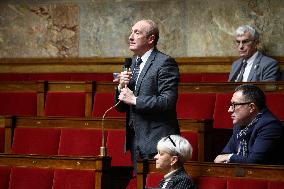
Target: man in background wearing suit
[[258, 136], [253, 65], [148, 93]]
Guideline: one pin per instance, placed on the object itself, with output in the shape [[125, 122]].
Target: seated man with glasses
[[258, 136], [173, 151], [253, 65]]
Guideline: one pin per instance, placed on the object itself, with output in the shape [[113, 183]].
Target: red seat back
[[275, 185], [43, 141], [233, 183], [18, 103], [69, 179], [215, 77], [102, 102], [275, 102], [221, 116], [195, 105], [153, 180], [80, 142], [65, 104], [115, 146], [4, 177], [192, 138], [211, 182], [31, 178]]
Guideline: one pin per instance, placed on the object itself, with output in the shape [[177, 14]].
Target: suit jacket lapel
[[254, 67], [144, 70]]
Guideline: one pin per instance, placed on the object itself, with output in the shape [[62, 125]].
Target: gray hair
[[241, 30], [176, 145], [152, 30]]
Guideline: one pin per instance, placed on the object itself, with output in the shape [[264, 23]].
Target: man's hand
[[127, 96], [223, 158]]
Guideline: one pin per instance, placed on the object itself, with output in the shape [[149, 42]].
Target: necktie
[[240, 76], [136, 69]]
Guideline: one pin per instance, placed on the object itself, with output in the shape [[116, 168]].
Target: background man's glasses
[[234, 104]]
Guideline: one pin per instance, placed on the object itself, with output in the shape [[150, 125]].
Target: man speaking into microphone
[[148, 93]]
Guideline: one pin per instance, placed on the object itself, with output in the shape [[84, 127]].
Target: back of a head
[[152, 30], [253, 94], [176, 145]]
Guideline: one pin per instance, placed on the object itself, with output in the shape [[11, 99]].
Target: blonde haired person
[[173, 152]]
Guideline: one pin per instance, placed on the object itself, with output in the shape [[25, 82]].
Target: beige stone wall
[[88, 28]]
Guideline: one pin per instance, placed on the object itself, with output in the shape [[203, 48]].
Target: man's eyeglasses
[[169, 137], [234, 104], [244, 42]]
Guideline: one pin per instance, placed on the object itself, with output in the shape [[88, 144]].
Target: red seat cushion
[[153, 180], [221, 116], [65, 104], [192, 138], [4, 177], [115, 146], [31, 178], [14, 77], [195, 105], [233, 183], [18, 103], [80, 142], [43, 141], [211, 182], [102, 102], [275, 102], [69, 179]]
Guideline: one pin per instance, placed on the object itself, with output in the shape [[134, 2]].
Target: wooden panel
[[112, 64], [108, 87]]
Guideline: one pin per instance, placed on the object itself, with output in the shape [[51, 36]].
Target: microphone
[[127, 64], [103, 149]]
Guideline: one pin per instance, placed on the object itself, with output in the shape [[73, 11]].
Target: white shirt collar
[[252, 58], [146, 55]]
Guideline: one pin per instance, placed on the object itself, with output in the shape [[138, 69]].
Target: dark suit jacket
[[179, 180], [265, 145], [263, 69], [154, 115]]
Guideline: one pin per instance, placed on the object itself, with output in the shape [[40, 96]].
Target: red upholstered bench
[[102, 102], [153, 180], [42, 141], [275, 102], [70, 104], [68, 178], [211, 182], [18, 103], [4, 177], [115, 146], [221, 116], [80, 142], [235, 183], [195, 105], [31, 178], [192, 137]]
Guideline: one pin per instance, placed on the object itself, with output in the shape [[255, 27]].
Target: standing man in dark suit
[[258, 136], [148, 93], [253, 65]]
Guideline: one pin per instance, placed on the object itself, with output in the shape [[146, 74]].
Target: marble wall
[[88, 28]]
